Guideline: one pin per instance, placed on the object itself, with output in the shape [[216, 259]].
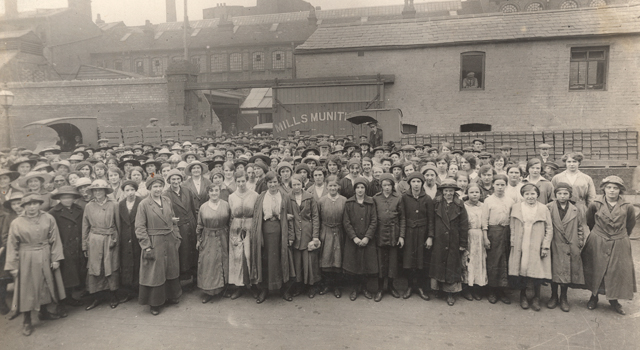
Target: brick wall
[[127, 102], [526, 85]]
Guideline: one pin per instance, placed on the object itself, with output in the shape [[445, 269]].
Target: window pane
[[472, 71], [258, 62], [595, 78], [277, 59], [577, 74], [218, 63], [235, 62], [578, 55], [596, 55]]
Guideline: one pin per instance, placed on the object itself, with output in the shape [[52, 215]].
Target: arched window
[[534, 6], [157, 67], [597, 3], [277, 60], [472, 71], [509, 8], [219, 63], [235, 61], [258, 61], [569, 4], [475, 127]]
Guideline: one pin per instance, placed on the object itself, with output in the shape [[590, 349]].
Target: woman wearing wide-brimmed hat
[[68, 216], [100, 235], [12, 210], [6, 178], [606, 257], [23, 165], [159, 237], [34, 182], [34, 252]]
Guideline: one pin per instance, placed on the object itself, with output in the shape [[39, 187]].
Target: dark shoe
[[492, 298], [236, 293], [262, 296], [424, 295], [297, 290], [61, 311], [564, 304], [254, 292], [535, 304], [467, 294], [4, 308], [312, 292], [407, 293], [476, 295], [72, 302], [367, 294], [324, 290], [94, 304], [553, 302], [593, 302], [337, 292], [125, 298], [394, 292], [27, 329], [206, 298], [13, 315], [378, 296], [226, 293], [155, 310], [617, 307], [287, 296], [524, 303], [354, 295], [172, 301], [450, 299], [45, 315], [505, 299], [113, 302]]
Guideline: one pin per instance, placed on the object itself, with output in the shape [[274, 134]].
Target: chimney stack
[[11, 8], [409, 11], [171, 11]]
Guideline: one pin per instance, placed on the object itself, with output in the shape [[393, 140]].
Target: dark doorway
[[475, 127], [70, 136]]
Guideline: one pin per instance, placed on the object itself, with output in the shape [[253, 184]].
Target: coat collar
[[516, 212], [305, 196], [160, 211], [611, 215], [367, 199]]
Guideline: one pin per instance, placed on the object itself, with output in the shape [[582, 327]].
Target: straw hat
[[15, 196], [16, 164], [44, 178], [100, 185], [31, 198], [70, 190], [448, 183], [11, 174], [203, 166]]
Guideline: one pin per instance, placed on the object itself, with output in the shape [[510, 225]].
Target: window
[[509, 8], [277, 58], [258, 61], [597, 3], [156, 66], [534, 6], [218, 63], [588, 69], [475, 127], [235, 62], [197, 61], [117, 65], [140, 66], [472, 71], [569, 4]]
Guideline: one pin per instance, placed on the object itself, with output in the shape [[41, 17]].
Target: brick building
[[534, 71]]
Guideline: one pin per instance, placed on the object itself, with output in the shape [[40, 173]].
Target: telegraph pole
[[186, 32]]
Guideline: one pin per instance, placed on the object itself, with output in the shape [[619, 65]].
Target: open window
[[475, 127], [472, 71]]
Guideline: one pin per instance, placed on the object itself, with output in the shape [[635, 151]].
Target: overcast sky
[[135, 12]]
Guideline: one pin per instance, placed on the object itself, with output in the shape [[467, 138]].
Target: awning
[[70, 120], [259, 100]]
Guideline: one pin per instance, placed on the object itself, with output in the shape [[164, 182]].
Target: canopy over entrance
[[71, 131]]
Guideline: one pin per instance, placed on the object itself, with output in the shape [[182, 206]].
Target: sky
[[135, 12]]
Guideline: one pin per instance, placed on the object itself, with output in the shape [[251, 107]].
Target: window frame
[[587, 49], [261, 65], [482, 81], [223, 66], [282, 66], [235, 66], [139, 63], [154, 65]]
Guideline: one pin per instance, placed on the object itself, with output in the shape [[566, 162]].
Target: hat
[[76, 158], [44, 177], [415, 175], [70, 190], [284, 165], [185, 155], [397, 165], [528, 186], [428, 167], [103, 140], [15, 196], [153, 179], [313, 158], [215, 172], [387, 176], [30, 198], [361, 180], [612, 179], [164, 151], [100, 184], [21, 160], [11, 174], [153, 162], [552, 165], [505, 148], [353, 161], [306, 152], [153, 119], [563, 186], [172, 173], [303, 166], [83, 181], [187, 170], [409, 148], [262, 157], [484, 155], [129, 183], [478, 139], [545, 145], [53, 150], [131, 161], [448, 183]]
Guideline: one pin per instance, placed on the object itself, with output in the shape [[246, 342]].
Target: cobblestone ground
[[329, 323]]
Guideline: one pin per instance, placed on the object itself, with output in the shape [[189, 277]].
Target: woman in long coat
[[531, 234], [34, 252], [360, 221], [197, 183], [331, 208], [584, 191], [568, 240], [305, 228], [100, 236], [68, 217], [12, 210], [130, 250], [419, 211], [271, 260], [212, 235], [448, 240], [159, 239], [606, 257]]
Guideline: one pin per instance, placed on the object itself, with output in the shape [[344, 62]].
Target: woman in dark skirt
[[157, 232], [129, 247], [360, 255], [271, 260]]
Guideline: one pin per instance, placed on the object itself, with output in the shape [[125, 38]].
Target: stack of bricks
[[602, 144]]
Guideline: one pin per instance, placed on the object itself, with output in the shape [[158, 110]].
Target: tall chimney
[[171, 11], [11, 8]]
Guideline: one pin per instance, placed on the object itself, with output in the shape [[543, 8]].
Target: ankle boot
[[27, 328], [524, 302]]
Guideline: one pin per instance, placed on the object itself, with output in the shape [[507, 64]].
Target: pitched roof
[[475, 29], [86, 72]]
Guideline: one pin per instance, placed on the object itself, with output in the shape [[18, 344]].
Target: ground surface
[[329, 323]]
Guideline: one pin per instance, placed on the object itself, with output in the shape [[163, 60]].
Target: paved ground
[[329, 323]]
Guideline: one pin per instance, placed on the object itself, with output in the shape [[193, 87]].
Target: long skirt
[[608, 267], [156, 296], [446, 287], [187, 251], [360, 260], [388, 261], [271, 252], [476, 271], [498, 256], [99, 283], [213, 264], [239, 252], [307, 266], [413, 250]]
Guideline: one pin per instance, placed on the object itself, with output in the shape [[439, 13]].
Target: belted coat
[[69, 221], [450, 233]]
